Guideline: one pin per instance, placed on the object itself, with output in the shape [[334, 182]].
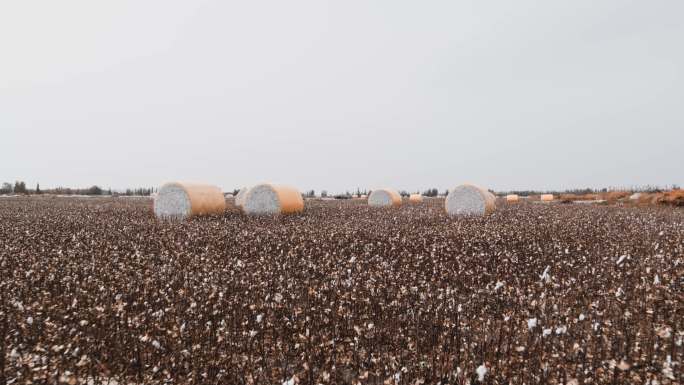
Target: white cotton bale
[[384, 198], [469, 199], [512, 198], [635, 197], [240, 197], [546, 197], [181, 200], [415, 198], [265, 199]]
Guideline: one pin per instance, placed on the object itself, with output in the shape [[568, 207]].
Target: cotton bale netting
[[240, 197], [415, 198], [512, 198], [384, 198], [468, 199], [182, 200], [265, 199], [546, 197]]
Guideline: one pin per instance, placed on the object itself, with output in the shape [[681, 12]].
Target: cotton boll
[[545, 275], [481, 372]]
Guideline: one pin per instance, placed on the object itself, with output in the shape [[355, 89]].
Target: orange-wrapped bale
[[384, 198], [512, 198], [272, 199], [182, 200], [415, 198], [546, 197]]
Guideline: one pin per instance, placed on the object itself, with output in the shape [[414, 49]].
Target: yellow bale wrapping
[[273, 199], [512, 198], [546, 197], [183, 200], [291, 200]]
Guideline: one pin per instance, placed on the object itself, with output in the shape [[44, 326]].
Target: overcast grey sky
[[339, 94]]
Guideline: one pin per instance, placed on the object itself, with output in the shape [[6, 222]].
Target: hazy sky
[[339, 94]]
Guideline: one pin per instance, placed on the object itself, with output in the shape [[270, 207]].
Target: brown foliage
[[610, 197], [672, 198], [98, 290]]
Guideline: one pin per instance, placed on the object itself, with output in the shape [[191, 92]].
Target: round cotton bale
[[240, 197], [182, 200], [267, 199], [546, 197], [512, 198], [415, 198], [468, 199], [384, 198]]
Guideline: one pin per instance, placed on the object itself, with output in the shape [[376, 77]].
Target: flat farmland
[[97, 290]]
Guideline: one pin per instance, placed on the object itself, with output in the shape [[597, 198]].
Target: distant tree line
[[584, 191], [19, 188], [434, 192], [346, 195], [141, 191]]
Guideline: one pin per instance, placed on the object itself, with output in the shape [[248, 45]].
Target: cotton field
[[100, 291]]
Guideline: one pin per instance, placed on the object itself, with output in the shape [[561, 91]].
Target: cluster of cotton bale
[[182, 200], [177, 200], [466, 199]]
